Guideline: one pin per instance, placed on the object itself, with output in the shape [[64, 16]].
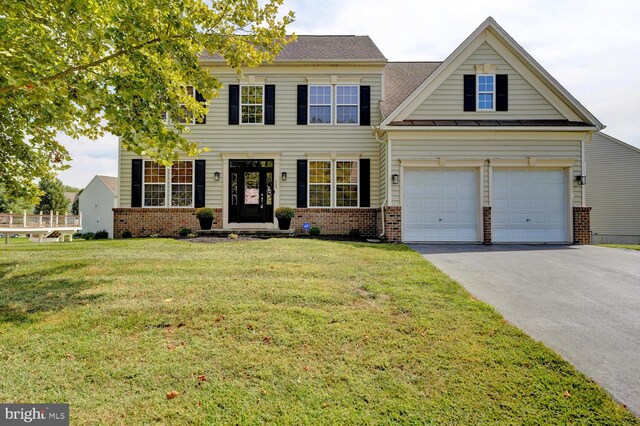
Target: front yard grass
[[624, 246], [272, 331]]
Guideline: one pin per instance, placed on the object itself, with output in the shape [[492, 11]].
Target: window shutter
[[470, 92], [136, 183], [302, 184], [365, 182], [200, 174], [302, 104], [234, 104], [502, 92], [269, 104], [202, 100], [365, 105]]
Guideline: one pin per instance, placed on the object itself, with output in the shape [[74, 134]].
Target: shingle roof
[[110, 182], [325, 48], [401, 79], [492, 123]]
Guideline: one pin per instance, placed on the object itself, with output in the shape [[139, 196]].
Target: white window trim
[[330, 105], [335, 110], [241, 104], [167, 187], [333, 184], [478, 92]]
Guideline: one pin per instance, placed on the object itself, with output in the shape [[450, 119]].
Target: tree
[[75, 206], [94, 66], [10, 204], [52, 199]]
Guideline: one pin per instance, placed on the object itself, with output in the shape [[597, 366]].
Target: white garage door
[[440, 205], [529, 206]]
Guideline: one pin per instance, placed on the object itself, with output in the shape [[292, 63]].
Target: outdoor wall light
[[216, 176], [395, 179], [284, 176], [582, 180]]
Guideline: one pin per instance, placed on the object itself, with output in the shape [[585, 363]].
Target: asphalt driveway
[[582, 301]]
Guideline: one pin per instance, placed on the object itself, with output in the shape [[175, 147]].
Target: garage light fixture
[[284, 176], [582, 180], [395, 179], [216, 176]]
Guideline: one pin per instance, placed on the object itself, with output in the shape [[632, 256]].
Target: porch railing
[[29, 221]]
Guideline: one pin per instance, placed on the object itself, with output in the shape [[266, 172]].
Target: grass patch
[[623, 246], [281, 330]]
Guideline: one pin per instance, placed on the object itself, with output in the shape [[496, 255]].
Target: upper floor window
[[347, 104], [187, 116], [252, 104], [179, 178], [486, 92], [320, 104]]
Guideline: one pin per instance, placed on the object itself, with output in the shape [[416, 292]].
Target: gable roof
[[498, 33], [70, 196], [324, 48], [401, 79], [110, 182]]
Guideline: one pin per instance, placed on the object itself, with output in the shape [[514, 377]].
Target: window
[[347, 104], [333, 183], [486, 92], [187, 117], [319, 104], [156, 178], [251, 101]]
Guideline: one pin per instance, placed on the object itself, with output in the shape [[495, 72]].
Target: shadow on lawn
[[22, 296]]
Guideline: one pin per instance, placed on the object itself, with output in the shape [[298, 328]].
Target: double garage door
[[443, 205]]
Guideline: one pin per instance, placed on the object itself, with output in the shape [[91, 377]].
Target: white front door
[[440, 205], [529, 206]]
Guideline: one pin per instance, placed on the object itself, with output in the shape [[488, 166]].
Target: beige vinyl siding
[[484, 149], [446, 102], [613, 190], [286, 138]]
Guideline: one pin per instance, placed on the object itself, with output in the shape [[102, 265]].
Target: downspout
[[388, 189], [583, 166]]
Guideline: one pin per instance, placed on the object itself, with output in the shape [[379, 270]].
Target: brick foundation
[[393, 224], [164, 222], [486, 225], [338, 221], [582, 225]]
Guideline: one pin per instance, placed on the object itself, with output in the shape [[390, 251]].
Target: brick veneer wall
[[393, 224], [165, 222], [338, 221], [582, 225], [486, 225]]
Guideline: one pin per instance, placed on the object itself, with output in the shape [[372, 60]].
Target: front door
[[251, 191]]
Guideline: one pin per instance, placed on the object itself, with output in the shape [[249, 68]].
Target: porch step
[[260, 233]]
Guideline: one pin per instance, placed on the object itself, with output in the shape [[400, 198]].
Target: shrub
[[204, 213], [126, 234], [88, 236], [355, 234], [233, 236], [101, 235], [314, 231], [285, 213], [184, 232]]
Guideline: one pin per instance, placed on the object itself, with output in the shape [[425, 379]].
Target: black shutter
[[502, 92], [200, 179], [470, 92], [202, 100], [365, 105], [234, 104], [269, 104], [365, 182], [302, 104], [302, 184], [136, 183]]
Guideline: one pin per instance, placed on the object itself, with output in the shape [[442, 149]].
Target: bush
[[184, 232], [126, 234], [233, 236], [101, 235], [88, 236], [285, 213], [355, 234], [314, 231], [204, 213]]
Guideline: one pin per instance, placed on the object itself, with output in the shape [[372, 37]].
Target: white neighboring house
[[96, 202], [613, 190]]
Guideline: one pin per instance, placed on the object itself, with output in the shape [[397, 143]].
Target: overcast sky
[[590, 46]]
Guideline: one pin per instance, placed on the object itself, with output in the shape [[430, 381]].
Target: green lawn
[[624, 246], [282, 330]]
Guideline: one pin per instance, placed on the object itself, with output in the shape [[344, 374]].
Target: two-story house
[[483, 147]]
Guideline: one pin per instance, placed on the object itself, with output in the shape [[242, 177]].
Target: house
[[96, 202], [613, 190], [483, 147], [71, 197]]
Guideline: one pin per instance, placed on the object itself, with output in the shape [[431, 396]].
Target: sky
[[590, 46]]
